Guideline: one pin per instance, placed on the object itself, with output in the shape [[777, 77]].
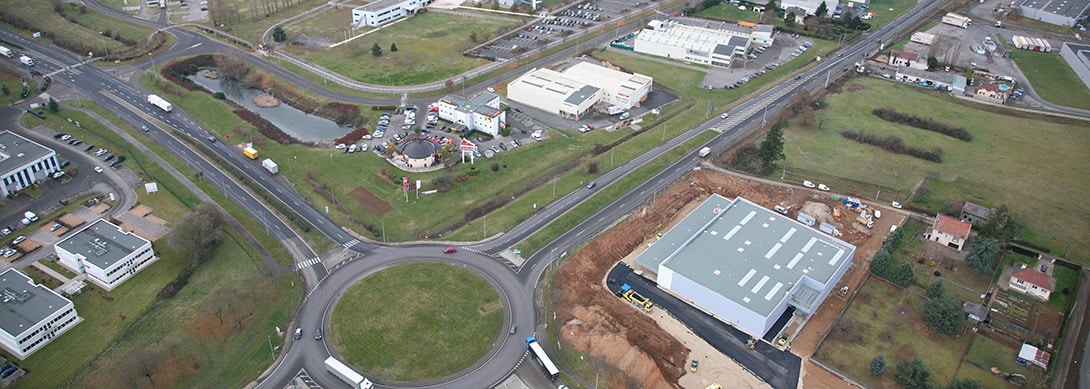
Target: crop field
[[429, 48], [1003, 164]]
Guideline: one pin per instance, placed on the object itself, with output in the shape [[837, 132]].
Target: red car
[[451, 250]]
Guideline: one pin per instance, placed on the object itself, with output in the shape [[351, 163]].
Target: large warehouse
[[747, 265], [23, 162], [1078, 57], [716, 47], [1058, 12], [625, 90], [549, 91]]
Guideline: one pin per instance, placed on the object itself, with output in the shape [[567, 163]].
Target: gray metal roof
[[748, 253], [1070, 8], [16, 151], [24, 303], [476, 104], [581, 95], [102, 243]]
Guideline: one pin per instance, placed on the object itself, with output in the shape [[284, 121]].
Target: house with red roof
[[1033, 283], [949, 231]]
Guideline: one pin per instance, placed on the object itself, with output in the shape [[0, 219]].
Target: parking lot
[[565, 23]]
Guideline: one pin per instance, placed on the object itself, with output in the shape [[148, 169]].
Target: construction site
[[635, 344]]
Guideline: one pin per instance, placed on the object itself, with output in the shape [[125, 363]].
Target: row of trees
[[891, 115], [881, 264], [895, 144], [913, 374]]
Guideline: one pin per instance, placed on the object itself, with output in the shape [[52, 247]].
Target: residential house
[[903, 58], [1033, 283], [798, 13], [950, 232], [991, 92]]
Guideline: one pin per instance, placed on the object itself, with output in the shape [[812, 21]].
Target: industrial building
[[33, 316], [552, 92], [382, 11], [810, 6], [1058, 12], [478, 113], [625, 90], [715, 47], [105, 253], [747, 265], [23, 162], [1078, 57]]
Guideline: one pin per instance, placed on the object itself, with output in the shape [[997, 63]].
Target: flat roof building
[[105, 253], [670, 39], [23, 162], [1058, 12], [380, 12], [33, 315], [479, 113], [625, 90], [552, 92], [746, 264], [1078, 58]]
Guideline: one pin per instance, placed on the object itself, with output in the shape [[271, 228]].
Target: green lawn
[[11, 79], [1066, 279], [1053, 79], [253, 18], [416, 322], [982, 375], [429, 47], [40, 14], [1002, 165], [889, 322]]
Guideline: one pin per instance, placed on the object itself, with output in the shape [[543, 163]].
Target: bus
[[538, 353]]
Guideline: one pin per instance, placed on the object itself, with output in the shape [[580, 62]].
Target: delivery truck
[[7, 52], [704, 152], [26, 60], [269, 165], [250, 152], [614, 110], [159, 102]]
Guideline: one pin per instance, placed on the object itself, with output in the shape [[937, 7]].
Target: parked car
[[896, 205], [54, 227], [808, 184]]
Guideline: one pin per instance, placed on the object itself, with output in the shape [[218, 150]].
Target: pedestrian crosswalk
[[307, 263], [351, 243]]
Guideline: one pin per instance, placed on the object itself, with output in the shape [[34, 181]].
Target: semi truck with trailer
[[346, 374], [269, 165], [159, 102]]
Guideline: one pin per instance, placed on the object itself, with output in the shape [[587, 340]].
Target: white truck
[[614, 110], [346, 374], [269, 165], [7, 52], [26, 60], [159, 102], [704, 152]]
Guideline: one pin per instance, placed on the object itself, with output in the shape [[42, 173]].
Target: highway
[[517, 288]]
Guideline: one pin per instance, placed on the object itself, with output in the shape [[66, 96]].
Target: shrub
[[891, 115], [494, 167], [894, 144]]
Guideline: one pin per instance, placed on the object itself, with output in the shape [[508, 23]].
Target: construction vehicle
[[628, 294], [250, 152], [865, 222], [751, 344], [836, 213]]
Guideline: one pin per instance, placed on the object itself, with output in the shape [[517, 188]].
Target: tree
[[705, 4], [771, 7], [964, 383], [821, 10], [393, 47], [278, 34], [771, 149], [879, 265], [199, 231], [375, 50], [902, 275], [932, 62], [912, 374], [878, 365], [1001, 226], [473, 37], [983, 255], [53, 105], [5, 90], [943, 314], [936, 290]]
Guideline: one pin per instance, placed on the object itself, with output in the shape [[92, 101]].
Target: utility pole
[[271, 353], [554, 187]]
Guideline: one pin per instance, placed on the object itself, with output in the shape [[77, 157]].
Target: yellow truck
[[250, 152]]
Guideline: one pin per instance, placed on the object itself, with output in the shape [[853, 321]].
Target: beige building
[[1033, 283], [949, 232]]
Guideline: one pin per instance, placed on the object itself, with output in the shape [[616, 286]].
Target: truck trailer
[[250, 152], [346, 374], [7, 52], [159, 102], [269, 165], [954, 19]]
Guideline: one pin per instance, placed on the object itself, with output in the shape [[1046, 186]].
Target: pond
[[298, 124]]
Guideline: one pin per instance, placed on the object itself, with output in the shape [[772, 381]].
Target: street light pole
[[271, 353]]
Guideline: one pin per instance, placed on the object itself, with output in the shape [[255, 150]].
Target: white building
[[379, 12], [105, 253], [479, 113], [33, 315], [716, 47], [810, 6], [552, 92], [747, 265], [23, 162], [622, 89], [1078, 57]]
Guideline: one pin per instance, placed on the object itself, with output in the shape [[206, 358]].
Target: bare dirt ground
[[655, 349]]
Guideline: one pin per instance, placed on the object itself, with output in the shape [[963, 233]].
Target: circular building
[[418, 152]]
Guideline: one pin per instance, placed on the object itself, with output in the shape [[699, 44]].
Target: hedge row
[[891, 115], [894, 143]]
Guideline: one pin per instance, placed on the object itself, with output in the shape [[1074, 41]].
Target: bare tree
[[200, 231], [144, 363]]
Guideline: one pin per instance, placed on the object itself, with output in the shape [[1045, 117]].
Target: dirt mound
[[602, 325], [820, 211]]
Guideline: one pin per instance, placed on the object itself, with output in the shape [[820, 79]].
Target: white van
[[877, 214]]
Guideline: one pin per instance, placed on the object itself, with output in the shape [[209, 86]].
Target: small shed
[[1030, 355], [974, 312]]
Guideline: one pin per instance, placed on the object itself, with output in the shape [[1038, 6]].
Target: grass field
[[40, 14], [889, 322], [206, 350], [416, 321], [256, 17], [1002, 165], [1065, 279], [429, 47], [10, 79], [1053, 79]]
